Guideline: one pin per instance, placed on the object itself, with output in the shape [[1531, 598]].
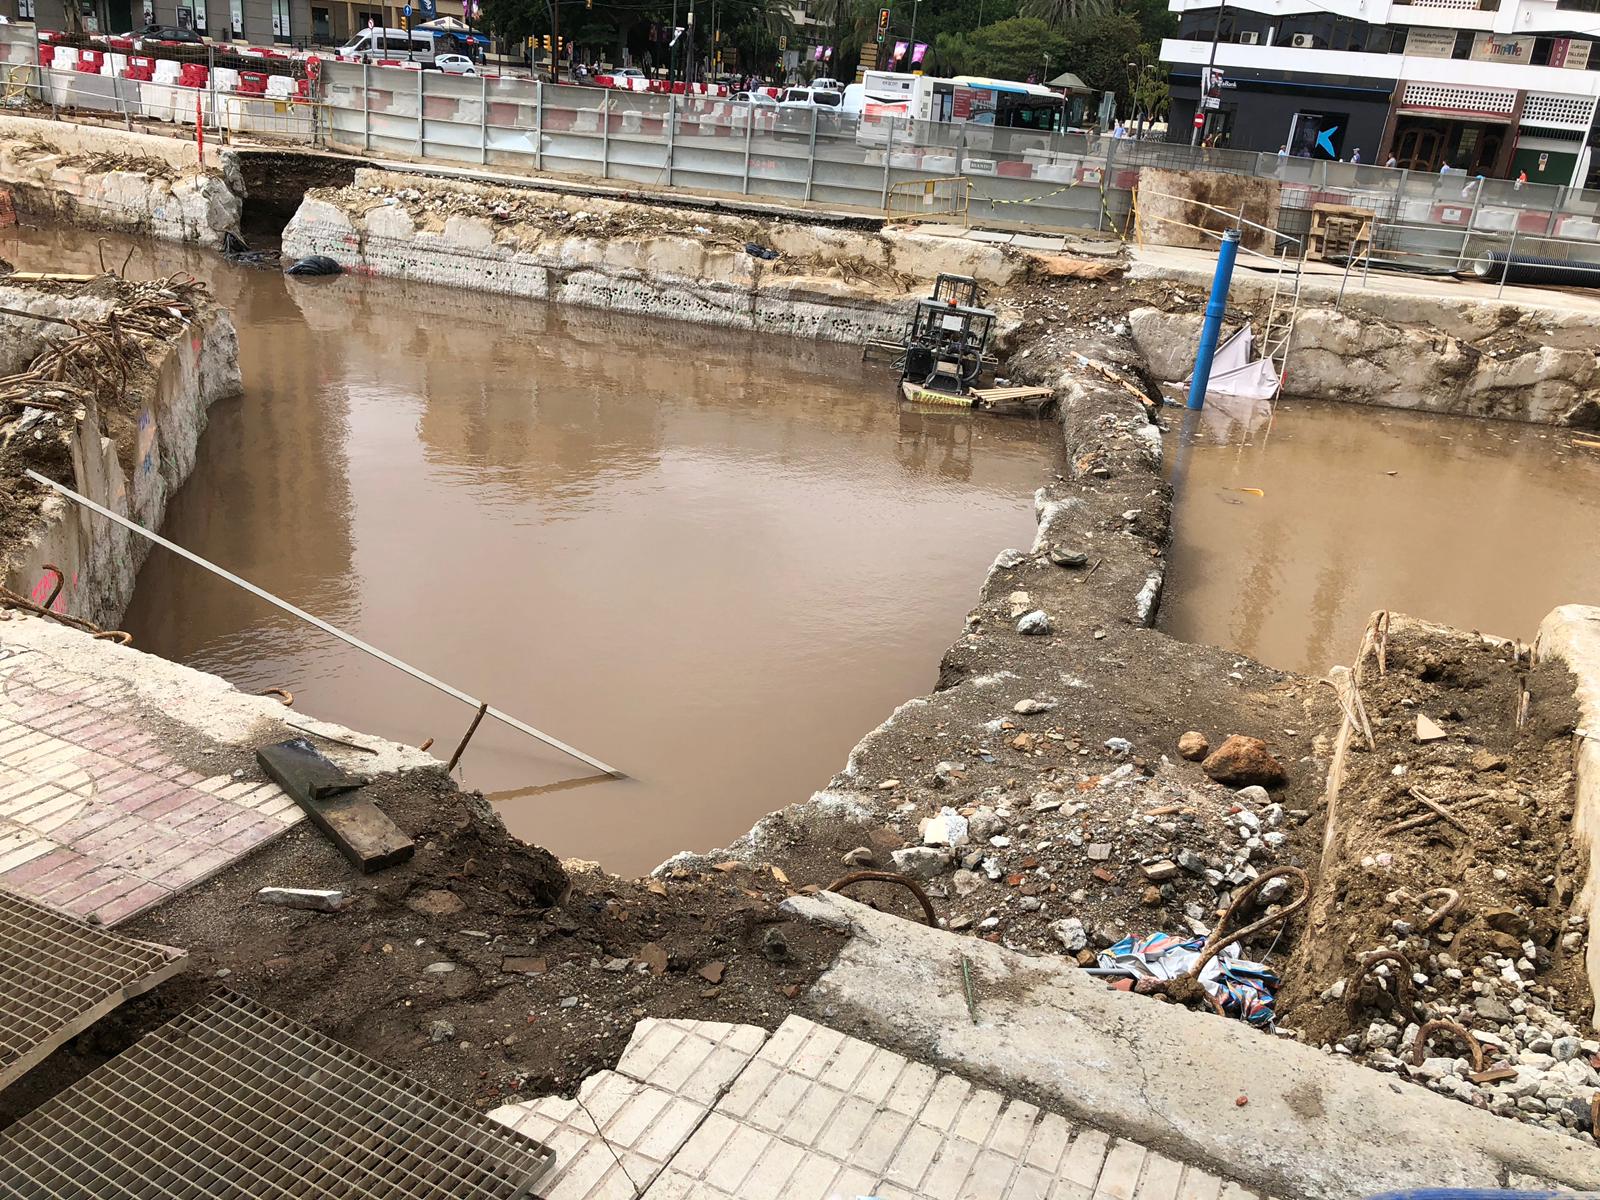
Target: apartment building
[[1491, 87]]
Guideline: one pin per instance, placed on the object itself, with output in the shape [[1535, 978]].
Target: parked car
[[168, 33], [455, 64], [757, 98], [757, 107], [799, 106], [627, 73]]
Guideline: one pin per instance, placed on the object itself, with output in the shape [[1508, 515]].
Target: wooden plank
[[1011, 393], [332, 798]]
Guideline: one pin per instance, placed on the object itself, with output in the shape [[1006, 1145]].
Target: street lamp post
[[912, 49], [1046, 79]]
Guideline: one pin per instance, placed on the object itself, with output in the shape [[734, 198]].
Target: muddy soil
[[530, 1000], [1508, 853], [1480, 905]]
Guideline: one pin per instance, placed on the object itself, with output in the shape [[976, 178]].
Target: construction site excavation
[[512, 686]]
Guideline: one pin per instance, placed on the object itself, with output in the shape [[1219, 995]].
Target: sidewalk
[[698, 1110]]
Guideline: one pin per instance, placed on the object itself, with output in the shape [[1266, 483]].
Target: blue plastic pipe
[[1212, 329]]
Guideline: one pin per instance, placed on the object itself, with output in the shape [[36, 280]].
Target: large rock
[[1241, 761], [1193, 745]]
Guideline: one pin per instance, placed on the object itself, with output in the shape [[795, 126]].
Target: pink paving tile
[[29, 872], [192, 868], [81, 826], [152, 810], [87, 902], [241, 820], [136, 901], [123, 828], [61, 876], [200, 812], [63, 894]]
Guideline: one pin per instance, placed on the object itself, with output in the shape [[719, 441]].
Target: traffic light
[[547, 43], [883, 23]]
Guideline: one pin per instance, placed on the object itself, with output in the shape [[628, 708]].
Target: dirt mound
[[443, 968], [1479, 900]]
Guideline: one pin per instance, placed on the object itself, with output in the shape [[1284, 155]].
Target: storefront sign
[[1430, 43], [1571, 53], [1489, 47]]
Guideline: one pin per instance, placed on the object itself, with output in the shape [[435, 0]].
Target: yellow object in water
[[1249, 491]]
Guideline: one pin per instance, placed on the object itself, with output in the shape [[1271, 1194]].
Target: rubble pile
[[1455, 880], [1079, 859]]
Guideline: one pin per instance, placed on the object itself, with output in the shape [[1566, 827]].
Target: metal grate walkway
[[233, 1101], [58, 975]]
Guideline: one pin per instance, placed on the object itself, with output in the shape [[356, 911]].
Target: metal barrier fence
[[944, 199], [1017, 178]]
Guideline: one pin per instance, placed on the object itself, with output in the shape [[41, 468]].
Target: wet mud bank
[[115, 413], [769, 276]]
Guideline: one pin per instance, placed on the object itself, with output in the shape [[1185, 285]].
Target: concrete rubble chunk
[[920, 862], [1034, 624], [1194, 746], [947, 827], [326, 900]]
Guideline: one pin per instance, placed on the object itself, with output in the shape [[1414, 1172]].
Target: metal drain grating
[[233, 1101], [59, 975]]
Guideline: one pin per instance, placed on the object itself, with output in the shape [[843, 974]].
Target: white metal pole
[[349, 639]]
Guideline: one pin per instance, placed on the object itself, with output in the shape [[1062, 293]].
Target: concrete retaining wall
[[1572, 634], [114, 180], [99, 559], [679, 265], [1463, 357]]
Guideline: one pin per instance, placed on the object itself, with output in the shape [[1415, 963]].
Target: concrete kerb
[[1314, 1126], [1571, 633]]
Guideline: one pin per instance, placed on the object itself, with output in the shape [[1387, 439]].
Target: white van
[[375, 44]]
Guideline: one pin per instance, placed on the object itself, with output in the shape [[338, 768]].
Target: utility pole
[[672, 47], [690, 67], [1194, 137], [912, 49]]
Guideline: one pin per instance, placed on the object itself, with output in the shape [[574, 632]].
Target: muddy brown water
[[1483, 525], [711, 559]]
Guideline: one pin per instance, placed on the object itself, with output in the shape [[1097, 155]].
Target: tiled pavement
[[96, 818], [702, 1111]]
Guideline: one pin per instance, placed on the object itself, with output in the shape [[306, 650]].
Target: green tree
[[1011, 49], [1060, 13]]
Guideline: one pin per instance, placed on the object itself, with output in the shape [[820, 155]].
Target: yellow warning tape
[[1104, 207]]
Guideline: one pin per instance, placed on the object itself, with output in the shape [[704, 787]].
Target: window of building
[[24, 10], [280, 20], [1463, 44]]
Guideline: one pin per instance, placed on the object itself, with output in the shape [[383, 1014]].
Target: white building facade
[[1492, 87]]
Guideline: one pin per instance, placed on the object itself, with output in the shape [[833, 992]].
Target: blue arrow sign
[[1325, 140]]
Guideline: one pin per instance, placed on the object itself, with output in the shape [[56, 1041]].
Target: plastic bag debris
[[1243, 988]]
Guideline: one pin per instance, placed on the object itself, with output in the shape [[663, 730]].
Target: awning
[[1067, 81]]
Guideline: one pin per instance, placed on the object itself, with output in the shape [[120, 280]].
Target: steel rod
[[348, 638], [461, 747]]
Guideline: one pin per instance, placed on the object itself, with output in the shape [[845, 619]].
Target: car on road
[[760, 99], [799, 107], [627, 73], [168, 33], [455, 64]]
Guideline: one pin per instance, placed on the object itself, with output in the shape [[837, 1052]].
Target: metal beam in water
[[348, 638]]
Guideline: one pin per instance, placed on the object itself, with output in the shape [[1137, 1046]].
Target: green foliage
[[1012, 49]]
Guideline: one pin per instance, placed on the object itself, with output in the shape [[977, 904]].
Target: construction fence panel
[[572, 131], [780, 162], [636, 133], [512, 123], [707, 143], [849, 168], [452, 117]]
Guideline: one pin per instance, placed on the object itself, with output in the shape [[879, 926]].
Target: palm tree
[[1063, 12]]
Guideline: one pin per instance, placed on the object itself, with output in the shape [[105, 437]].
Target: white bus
[[375, 44]]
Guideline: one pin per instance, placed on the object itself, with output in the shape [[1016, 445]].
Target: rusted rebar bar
[[911, 885]]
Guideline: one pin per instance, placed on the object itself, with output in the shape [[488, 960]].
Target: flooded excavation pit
[[1289, 533], [712, 559]]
